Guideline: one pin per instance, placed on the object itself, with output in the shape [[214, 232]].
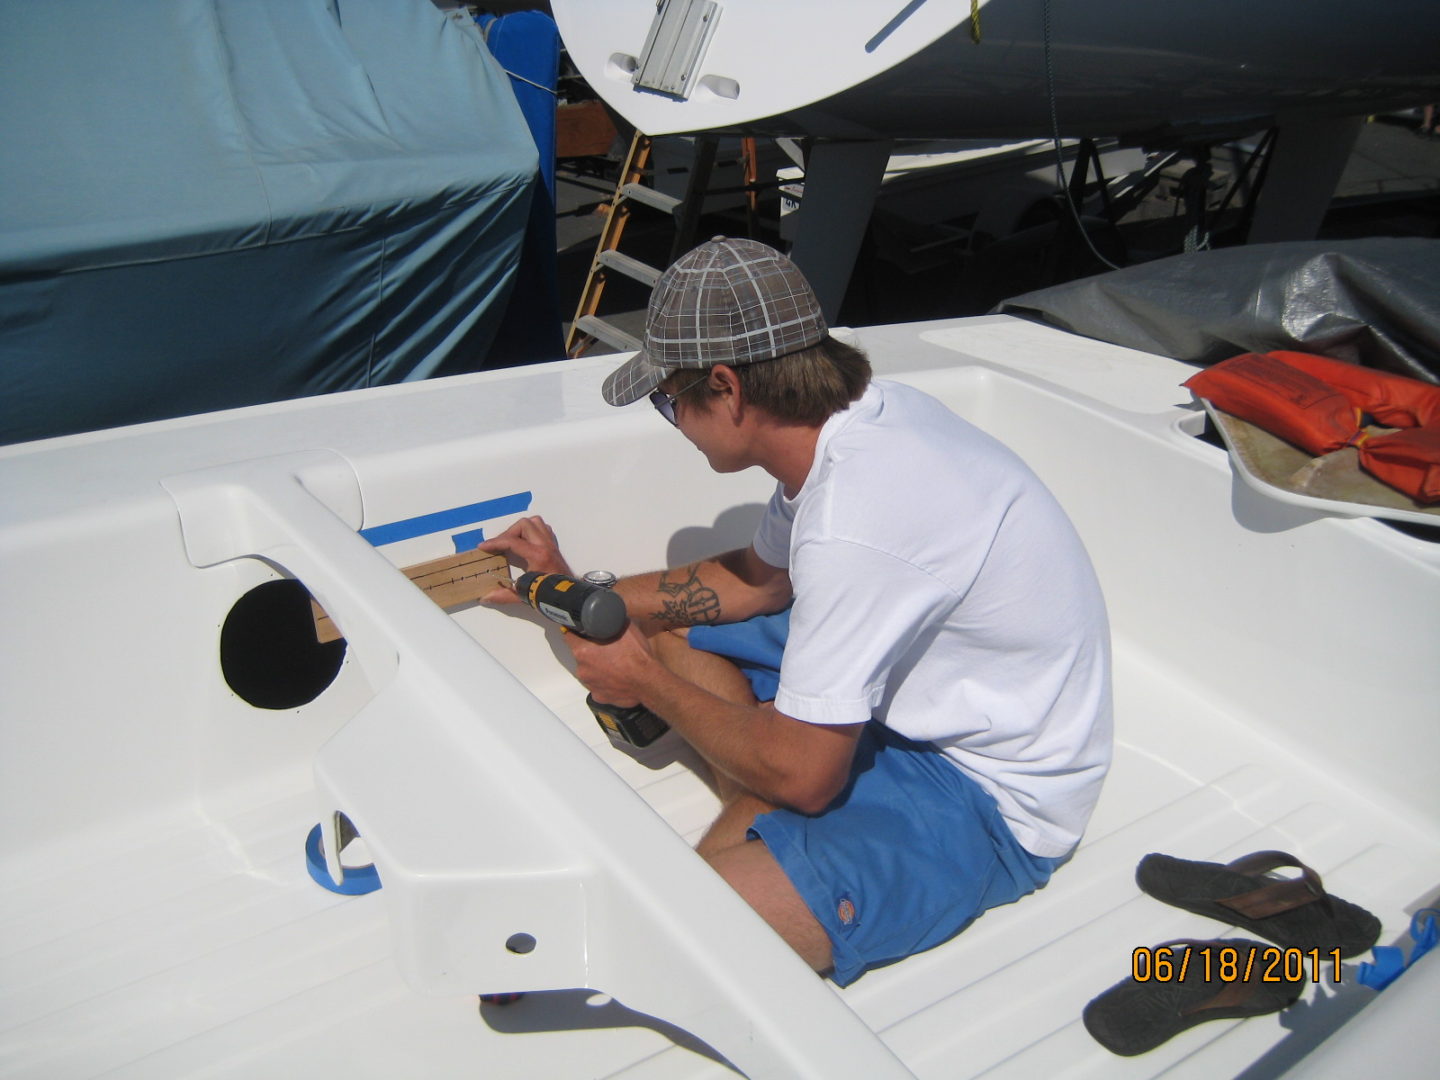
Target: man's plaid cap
[[726, 302]]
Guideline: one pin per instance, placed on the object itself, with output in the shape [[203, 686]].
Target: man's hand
[[615, 671], [529, 544]]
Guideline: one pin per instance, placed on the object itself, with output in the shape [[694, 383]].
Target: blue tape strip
[[1390, 963], [468, 541], [358, 880], [447, 519]]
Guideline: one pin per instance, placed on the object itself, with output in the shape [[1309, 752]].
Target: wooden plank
[[583, 129], [451, 581]]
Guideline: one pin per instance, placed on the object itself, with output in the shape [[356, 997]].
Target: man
[[902, 685]]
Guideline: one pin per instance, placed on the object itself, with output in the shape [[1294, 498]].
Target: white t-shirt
[[940, 589]]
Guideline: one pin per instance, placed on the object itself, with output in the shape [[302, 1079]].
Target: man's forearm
[[723, 589], [784, 761]]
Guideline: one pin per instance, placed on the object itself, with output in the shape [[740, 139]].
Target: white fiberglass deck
[[1275, 678]]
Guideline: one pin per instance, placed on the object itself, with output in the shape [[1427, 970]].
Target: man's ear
[[726, 383]]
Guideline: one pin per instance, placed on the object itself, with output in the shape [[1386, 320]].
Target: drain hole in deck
[[520, 943], [269, 654]]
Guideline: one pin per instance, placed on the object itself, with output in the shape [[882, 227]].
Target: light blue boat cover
[[213, 203]]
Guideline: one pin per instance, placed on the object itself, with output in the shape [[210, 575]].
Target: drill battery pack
[[635, 725]]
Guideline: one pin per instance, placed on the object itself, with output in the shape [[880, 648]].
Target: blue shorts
[[907, 856]]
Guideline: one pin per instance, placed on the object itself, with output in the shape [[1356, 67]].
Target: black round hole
[[268, 652], [520, 943]]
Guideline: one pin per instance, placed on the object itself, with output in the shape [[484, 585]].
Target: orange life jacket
[[1320, 405]]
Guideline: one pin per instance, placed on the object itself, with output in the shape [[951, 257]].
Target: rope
[[522, 78], [1059, 152], [975, 21], [485, 34]]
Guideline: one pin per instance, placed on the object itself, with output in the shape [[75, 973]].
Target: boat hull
[[1021, 69]]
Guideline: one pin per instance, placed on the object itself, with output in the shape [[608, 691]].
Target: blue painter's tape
[[1390, 963], [447, 519], [357, 880], [468, 541]]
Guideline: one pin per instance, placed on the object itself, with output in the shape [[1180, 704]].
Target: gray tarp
[[1372, 301], [212, 203]]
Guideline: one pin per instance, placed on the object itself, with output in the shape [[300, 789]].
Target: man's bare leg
[[745, 864], [752, 871]]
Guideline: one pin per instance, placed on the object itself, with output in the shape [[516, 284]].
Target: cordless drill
[[592, 611]]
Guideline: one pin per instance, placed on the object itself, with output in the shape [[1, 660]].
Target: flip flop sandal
[[1296, 913], [1201, 981]]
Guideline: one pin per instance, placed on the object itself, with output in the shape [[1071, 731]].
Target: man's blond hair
[[805, 387]]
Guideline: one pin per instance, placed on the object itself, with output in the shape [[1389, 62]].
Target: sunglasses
[[665, 403]]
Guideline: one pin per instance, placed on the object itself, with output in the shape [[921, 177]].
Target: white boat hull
[[858, 70]]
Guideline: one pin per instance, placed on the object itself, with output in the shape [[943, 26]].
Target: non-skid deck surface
[[192, 946]]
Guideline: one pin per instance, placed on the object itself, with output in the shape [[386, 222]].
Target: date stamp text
[[1172, 963]]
